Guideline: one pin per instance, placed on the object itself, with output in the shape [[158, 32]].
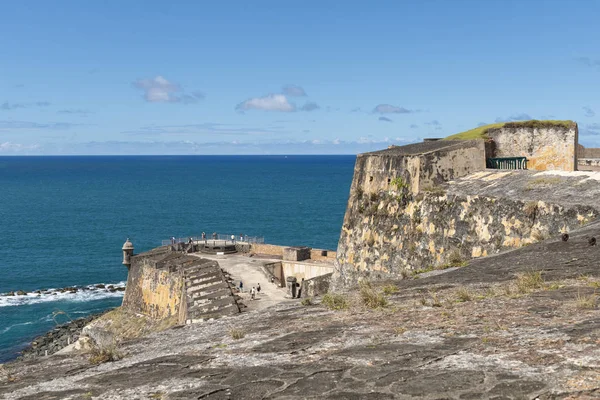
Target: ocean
[[63, 221]]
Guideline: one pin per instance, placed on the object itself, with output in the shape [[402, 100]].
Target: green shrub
[[307, 301], [335, 301]]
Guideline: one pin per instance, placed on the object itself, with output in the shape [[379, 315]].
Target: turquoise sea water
[[63, 220]]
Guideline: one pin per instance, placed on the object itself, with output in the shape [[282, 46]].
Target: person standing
[[252, 293], [258, 288], [241, 286]]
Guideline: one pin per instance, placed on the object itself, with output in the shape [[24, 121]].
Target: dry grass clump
[[586, 302], [307, 301], [236, 333], [100, 355], [529, 281], [390, 289], [370, 297], [335, 301], [463, 294]]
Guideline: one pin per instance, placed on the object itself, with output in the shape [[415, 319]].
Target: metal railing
[[219, 236], [506, 163]]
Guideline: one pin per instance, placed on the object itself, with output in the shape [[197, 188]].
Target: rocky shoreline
[[58, 338], [70, 289]]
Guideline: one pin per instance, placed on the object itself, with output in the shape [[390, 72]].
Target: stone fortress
[[437, 204], [414, 208], [194, 281]]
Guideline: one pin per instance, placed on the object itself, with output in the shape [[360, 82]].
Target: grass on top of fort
[[481, 131]]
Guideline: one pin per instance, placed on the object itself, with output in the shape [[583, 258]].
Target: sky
[[278, 77]]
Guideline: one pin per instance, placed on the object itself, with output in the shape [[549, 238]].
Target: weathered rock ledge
[[477, 332]]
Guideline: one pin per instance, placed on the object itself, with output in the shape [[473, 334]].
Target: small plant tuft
[[530, 209], [335, 301], [390, 289], [529, 281], [463, 294], [586, 302], [236, 333], [307, 301], [371, 297]]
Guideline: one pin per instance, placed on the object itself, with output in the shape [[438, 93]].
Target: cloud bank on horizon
[[216, 79]]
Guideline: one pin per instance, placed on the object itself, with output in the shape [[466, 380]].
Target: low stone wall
[[322, 255], [316, 286], [275, 271], [304, 270], [588, 164], [268, 249]]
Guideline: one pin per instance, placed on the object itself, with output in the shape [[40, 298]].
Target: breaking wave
[[72, 293]]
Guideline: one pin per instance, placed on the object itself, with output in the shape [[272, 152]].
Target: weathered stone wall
[[384, 235], [268, 249], [546, 148], [584, 152], [417, 166], [316, 286], [322, 255], [156, 293]]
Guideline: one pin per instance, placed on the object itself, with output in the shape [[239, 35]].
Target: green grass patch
[[481, 132]]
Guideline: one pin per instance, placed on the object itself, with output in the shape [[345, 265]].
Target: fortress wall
[[268, 249], [383, 170], [322, 255], [593, 152], [304, 270], [548, 148], [156, 293], [453, 162], [385, 235]]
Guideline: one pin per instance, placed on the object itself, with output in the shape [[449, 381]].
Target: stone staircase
[[208, 292]]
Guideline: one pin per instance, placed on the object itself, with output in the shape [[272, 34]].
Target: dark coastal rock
[[10, 293], [21, 293], [57, 339], [100, 286]]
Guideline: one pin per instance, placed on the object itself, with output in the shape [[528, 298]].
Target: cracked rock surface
[[470, 333]]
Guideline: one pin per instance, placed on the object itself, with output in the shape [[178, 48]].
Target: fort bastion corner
[[439, 203]]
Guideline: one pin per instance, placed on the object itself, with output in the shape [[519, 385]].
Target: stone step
[[201, 266], [212, 307], [206, 281], [198, 316], [211, 295], [207, 288], [202, 273]]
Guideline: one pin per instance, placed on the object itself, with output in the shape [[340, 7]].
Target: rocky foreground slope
[[520, 325]]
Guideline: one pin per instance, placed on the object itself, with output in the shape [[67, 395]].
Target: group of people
[[253, 292]]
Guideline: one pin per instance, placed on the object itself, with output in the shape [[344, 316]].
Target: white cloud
[[270, 102], [8, 147], [160, 90]]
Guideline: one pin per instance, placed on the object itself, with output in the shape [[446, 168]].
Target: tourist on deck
[[172, 239], [204, 236], [241, 286], [233, 238], [252, 293], [214, 235], [241, 237], [258, 287]]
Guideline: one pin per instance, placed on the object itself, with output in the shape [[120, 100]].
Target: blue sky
[[273, 77]]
